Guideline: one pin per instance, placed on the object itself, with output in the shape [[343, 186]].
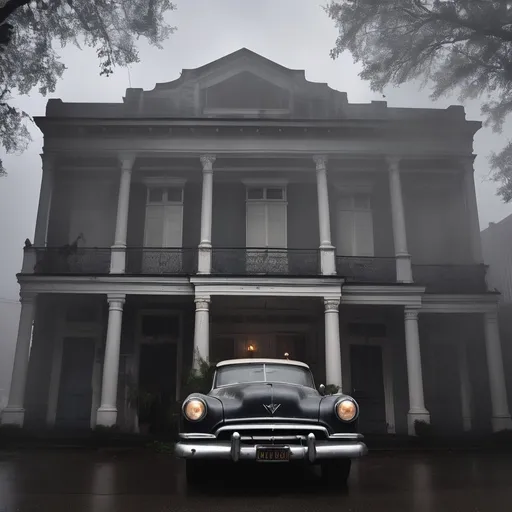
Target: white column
[[205, 246], [202, 331], [107, 412], [118, 253], [45, 201], [417, 410], [403, 258], [500, 411], [332, 342], [472, 211], [14, 413], [327, 256], [465, 386]]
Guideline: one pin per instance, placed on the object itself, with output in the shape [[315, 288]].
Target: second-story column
[[118, 254], [403, 258], [205, 245], [501, 419], [14, 413], [417, 410], [332, 342], [107, 412], [327, 257], [472, 211], [45, 201]]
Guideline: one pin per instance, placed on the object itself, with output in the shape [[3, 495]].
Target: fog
[[295, 33]]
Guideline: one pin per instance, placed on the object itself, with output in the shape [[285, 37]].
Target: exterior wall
[[437, 227], [84, 202]]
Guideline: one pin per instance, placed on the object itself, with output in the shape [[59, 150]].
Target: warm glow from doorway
[[250, 348]]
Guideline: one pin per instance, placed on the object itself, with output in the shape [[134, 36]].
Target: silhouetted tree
[[30, 31], [463, 45]]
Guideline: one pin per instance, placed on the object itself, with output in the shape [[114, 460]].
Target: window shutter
[[153, 235], [276, 225], [172, 234], [256, 235], [363, 228], [345, 233]]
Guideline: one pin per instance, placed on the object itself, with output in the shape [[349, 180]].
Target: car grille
[[275, 433]]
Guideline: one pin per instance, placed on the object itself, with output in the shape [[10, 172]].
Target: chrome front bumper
[[344, 446]]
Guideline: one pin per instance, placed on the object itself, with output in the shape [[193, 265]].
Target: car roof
[[255, 360]]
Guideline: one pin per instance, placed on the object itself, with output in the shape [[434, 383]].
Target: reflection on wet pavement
[[65, 480]]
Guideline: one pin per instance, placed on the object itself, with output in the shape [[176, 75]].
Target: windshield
[[264, 372]]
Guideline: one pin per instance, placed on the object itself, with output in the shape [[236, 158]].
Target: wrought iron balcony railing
[[451, 278], [366, 269], [71, 260], [265, 261], [161, 261]]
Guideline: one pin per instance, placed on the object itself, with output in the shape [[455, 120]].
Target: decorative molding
[[202, 303], [207, 161], [411, 313], [388, 295], [162, 181], [332, 305], [127, 159], [128, 285], [265, 182], [483, 303], [320, 162], [393, 163], [116, 298], [264, 286]]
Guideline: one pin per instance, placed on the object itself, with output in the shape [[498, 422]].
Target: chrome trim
[[272, 426], [348, 437], [306, 422], [234, 451], [199, 399], [197, 436], [350, 399]]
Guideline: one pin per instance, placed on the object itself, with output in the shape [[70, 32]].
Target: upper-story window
[[266, 217], [164, 216], [354, 234]]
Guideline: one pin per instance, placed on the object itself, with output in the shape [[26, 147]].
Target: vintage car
[[268, 411]]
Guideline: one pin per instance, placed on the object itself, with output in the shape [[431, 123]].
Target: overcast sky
[[295, 33]]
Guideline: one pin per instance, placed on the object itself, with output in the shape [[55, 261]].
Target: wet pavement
[[131, 480]]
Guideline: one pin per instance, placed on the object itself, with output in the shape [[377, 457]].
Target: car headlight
[[194, 409], [346, 410]]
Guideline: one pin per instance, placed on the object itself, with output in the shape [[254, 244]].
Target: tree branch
[[10, 7]]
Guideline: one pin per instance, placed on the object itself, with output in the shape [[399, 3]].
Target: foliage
[[331, 389], [30, 31], [200, 379], [463, 45]]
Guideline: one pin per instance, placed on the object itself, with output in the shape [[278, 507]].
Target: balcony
[[161, 261], [366, 269], [69, 260], [265, 261], [451, 278]]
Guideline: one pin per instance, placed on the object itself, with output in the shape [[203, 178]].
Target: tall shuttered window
[[355, 225], [266, 217]]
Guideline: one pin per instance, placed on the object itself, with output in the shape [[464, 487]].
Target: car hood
[[268, 400]]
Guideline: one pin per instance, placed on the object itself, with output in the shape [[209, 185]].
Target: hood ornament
[[272, 408]]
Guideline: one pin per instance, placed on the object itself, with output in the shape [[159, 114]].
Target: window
[[266, 217], [355, 225], [164, 216]]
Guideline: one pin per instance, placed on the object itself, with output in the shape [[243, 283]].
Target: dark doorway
[[75, 387], [368, 387], [157, 377]]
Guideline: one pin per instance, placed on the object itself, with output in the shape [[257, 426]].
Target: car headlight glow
[[194, 409], [346, 410]]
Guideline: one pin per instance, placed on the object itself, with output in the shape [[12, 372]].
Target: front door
[[75, 388], [368, 387]]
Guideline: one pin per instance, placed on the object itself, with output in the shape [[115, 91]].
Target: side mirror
[[321, 388]]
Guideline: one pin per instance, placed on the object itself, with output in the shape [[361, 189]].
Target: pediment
[[247, 83]]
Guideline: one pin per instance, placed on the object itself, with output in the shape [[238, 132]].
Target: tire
[[336, 472], [195, 472]]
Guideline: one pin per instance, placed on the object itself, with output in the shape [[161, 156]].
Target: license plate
[[272, 454]]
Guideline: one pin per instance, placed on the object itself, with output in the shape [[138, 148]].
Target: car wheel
[[336, 472], [195, 471]]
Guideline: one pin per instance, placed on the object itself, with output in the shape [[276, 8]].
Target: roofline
[[256, 360]]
